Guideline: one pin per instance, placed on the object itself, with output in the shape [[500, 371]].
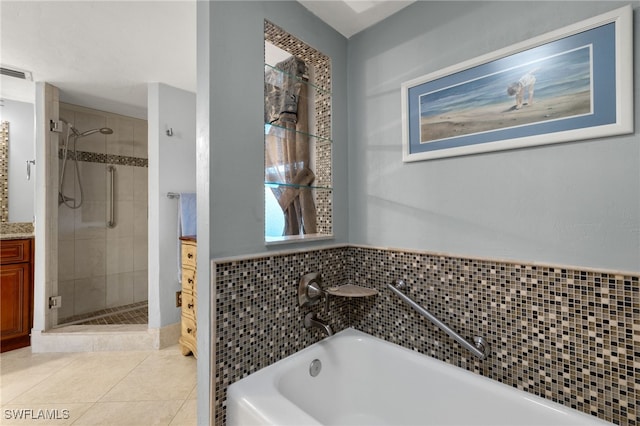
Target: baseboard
[[168, 335]]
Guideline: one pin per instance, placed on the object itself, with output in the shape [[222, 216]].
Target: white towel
[[187, 222]]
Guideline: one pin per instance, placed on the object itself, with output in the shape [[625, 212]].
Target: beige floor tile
[[42, 414], [22, 360], [194, 393], [17, 353], [158, 377], [86, 379], [173, 350], [187, 415], [108, 388], [139, 413], [168, 360], [15, 384]]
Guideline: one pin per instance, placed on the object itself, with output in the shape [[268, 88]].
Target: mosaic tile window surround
[[4, 171], [321, 65], [568, 335]]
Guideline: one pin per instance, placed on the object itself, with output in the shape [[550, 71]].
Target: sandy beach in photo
[[502, 116]]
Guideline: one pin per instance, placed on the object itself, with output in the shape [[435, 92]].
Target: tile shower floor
[[98, 388], [135, 313]]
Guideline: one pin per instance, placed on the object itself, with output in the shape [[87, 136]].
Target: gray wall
[[230, 139], [172, 168], [574, 203], [237, 99]]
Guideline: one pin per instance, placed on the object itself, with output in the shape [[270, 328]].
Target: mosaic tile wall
[[571, 336], [258, 320], [324, 197], [568, 335]]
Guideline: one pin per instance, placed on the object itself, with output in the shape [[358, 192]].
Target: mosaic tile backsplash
[[258, 320], [569, 335]]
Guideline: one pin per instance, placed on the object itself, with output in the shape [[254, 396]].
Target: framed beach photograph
[[572, 84]]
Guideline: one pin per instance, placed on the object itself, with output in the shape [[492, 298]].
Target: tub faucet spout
[[312, 321]]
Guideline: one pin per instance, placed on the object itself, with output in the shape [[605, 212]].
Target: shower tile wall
[[569, 335], [100, 267]]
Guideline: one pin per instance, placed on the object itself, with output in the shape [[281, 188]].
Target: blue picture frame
[[572, 84]]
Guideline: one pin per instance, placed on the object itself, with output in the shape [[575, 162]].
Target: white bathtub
[[367, 381]]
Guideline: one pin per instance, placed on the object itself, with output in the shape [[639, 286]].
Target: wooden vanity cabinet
[[16, 293]]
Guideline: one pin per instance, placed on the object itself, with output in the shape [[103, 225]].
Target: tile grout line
[[98, 409], [123, 377], [39, 382]]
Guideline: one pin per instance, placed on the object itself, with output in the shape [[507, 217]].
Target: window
[[298, 145]]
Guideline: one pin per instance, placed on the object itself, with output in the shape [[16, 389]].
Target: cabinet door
[[15, 251], [15, 298]]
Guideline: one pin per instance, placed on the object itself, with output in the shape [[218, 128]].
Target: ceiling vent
[[16, 73]]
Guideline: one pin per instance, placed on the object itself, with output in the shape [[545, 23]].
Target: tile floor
[[98, 388]]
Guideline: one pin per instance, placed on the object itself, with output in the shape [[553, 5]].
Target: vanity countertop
[[17, 236], [16, 230]]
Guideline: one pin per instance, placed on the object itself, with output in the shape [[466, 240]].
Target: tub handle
[[310, 289], [480, 347]]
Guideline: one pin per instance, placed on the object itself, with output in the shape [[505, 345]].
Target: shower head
[[103, 130], [77, 134]]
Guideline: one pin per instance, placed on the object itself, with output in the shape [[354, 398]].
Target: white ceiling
[[102, 54], [349, 17]]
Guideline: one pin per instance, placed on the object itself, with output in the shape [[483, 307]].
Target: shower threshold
[[135, 313]]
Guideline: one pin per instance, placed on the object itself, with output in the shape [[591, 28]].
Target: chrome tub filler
[[352, 378]]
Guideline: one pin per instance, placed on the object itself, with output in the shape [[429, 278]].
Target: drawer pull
[[190, 255], [190, 281], [190, 306], [189, 330]]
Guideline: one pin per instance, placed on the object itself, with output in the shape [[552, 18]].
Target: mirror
[[17, 147], [298, 145]]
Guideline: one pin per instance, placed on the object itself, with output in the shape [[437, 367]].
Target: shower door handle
[[112, 208]]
